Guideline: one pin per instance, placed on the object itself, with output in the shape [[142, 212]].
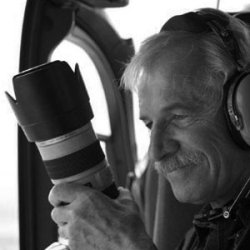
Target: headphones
[[236, 91]]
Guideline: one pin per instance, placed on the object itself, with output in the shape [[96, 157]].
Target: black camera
[[52, 107]]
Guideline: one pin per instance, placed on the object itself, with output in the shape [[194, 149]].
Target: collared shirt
[[212, 231]]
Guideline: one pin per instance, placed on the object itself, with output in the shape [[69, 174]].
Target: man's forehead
[[171, 95], [173, 83], [172, 89], [178, 64], [177, 76]]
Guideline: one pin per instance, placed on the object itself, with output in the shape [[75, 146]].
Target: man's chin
[[184, 196], [183, 183]]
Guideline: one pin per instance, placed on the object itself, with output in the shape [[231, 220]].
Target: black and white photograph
[[125, 125]]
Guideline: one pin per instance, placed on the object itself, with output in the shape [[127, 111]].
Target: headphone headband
[[199, 22], [190, 22]]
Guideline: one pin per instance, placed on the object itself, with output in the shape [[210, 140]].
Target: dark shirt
[[212, 231]]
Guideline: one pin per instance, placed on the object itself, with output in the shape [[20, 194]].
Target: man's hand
[[91, 220]]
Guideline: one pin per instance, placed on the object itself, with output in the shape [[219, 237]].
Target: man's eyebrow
[[178, 105], [172, 106]]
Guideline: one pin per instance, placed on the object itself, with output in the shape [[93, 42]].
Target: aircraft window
[[10, 47], [73, 54], [153, 14], [233, 6], [8, 176]]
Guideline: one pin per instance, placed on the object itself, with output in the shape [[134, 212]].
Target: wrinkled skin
[[90, 220]]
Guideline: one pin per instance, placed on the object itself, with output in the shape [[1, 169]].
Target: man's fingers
[[66, 193], [125, 198], [60, 215], [124, 194], [61, 194], [63, 232], [57, 246]]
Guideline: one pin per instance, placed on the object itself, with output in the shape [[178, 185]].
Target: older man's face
[[189, 143]]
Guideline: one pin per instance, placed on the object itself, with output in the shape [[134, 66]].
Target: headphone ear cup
[[237, 108], [242, 105]]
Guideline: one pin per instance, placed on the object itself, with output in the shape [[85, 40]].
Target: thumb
[[125, 198], [124, 194]]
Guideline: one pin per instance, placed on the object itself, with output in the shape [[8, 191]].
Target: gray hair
[[218, 62]]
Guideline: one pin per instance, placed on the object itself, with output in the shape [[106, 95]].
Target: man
[[181, 75]]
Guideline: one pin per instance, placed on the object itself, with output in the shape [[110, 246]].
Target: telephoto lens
[[52, 107]]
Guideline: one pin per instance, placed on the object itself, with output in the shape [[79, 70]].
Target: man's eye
[[148, 125], [179, 117]]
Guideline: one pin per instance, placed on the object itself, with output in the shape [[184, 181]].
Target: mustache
[[179, 160]]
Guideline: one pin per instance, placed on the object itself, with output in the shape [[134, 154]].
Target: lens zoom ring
[[75, 163]]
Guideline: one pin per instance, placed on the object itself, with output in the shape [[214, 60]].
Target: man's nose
[[162, 144]]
